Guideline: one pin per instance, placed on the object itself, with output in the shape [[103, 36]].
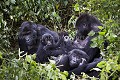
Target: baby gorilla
[[77, 57], [42, 54], [63, 46], [76, 61], [72, 61], [47, 48], [48, 40]]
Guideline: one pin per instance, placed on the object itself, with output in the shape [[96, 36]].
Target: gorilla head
[[85, 23], [48, 39], [27, 32], [77, 56]]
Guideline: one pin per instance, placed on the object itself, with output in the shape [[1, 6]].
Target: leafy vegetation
[[58, 15]]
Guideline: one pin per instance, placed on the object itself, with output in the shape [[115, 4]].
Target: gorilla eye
[[50, 37]]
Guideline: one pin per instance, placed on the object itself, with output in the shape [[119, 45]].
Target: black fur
[[86, 23], [27, 37]]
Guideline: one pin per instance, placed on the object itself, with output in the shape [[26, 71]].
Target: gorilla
[[63, 46], [42, 54], [27, 37], [85, 46], [72, 60], [41, 30], [47, 48], [86, 23], [30, 35], [76, 61]]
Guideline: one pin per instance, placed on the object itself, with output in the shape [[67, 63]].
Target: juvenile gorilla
[[63, 46], [73, 60], [27, 37], [85, 23], [76, 62], [85, 46], [42, 54], [41, 30], [46, 48]]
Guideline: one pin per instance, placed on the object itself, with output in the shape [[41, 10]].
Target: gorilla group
[[70, 55]]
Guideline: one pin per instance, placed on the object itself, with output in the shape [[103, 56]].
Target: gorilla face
[[48, 39], [85, 23], [74, 60], [67, 40], [76, 57], [30, 39], [83, 29], [27, 32]]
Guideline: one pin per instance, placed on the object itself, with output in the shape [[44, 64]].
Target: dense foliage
[[57, 15]]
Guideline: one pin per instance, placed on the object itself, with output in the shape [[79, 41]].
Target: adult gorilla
[[27, 37]]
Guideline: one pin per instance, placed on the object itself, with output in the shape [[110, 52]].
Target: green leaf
[[102, 33], [100, 27], [7, 2], [1, 55], [13, 1], [91, 33], [103, 76], [65, 73], [102, 64], [28, 58], [63, 77], [65, 2], [76, 7], [108, 67], [25, 65], [113, 35], [93, 45], [118, 57], [46, 15], [52, 61], [54, 14], [33, 56], [94, 78]]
